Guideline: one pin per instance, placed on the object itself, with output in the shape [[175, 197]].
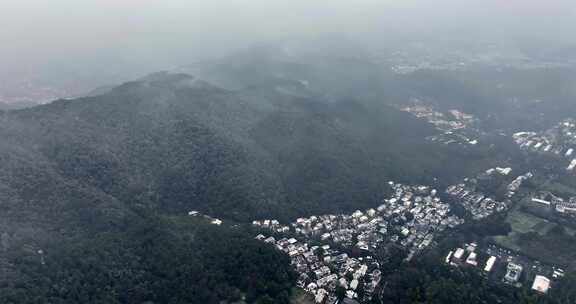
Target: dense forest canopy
[[94, 191]]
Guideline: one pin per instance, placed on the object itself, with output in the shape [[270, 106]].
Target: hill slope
[[91, 181]]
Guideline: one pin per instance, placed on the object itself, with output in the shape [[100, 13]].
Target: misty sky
[[154, 33]]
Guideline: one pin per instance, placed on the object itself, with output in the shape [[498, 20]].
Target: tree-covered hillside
[[153, 261], [86, 183], [175, 143]]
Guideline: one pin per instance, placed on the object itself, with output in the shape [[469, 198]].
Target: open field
[[524, 223], [540, 239], [508, 241]]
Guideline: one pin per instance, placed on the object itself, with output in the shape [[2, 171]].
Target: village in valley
[[336, 256], [455, 127], [320, 246], [559, 142], [479, 204]]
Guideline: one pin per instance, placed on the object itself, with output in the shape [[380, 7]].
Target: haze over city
[[288, 152], [48, 41]]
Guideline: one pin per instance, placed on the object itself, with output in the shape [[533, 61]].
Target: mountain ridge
[[125, 166]]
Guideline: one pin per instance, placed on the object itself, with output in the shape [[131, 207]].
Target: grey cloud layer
[[37, 31]]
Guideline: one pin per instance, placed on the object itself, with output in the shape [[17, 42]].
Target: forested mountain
[[506, 98], [176, 143], [90, 188]]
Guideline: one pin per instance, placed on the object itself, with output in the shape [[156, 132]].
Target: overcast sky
[[37, 32]]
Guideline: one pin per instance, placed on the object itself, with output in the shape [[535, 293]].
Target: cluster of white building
[[213, 220], [323, 269], [449, 123], [479, 205], [273, 225], [572, 165], [410, 217], [515, 185], [559, 140], [557, 203], [441, 121], [467, 256], [503, 171]]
